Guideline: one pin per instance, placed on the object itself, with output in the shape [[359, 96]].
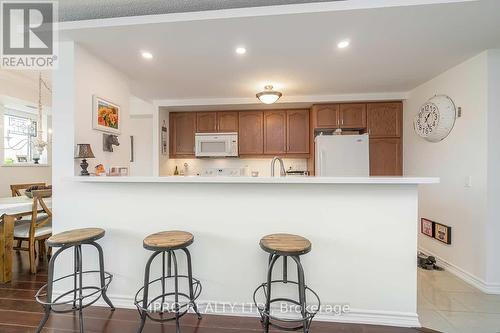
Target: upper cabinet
[[251, 132], [385, 119], [227, 121], [206, 122], [297, 131], [348, 116], [214, 122], [352, 116], [325, 115], [275, 132], [182, 130]]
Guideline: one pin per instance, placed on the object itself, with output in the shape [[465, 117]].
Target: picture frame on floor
[[427, 227]]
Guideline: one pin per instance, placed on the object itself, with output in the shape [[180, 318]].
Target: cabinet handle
[[342, 121]]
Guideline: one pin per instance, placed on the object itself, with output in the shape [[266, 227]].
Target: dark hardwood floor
[[19, 313]]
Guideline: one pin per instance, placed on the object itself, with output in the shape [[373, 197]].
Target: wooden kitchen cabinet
[[325, 115], [182, 131], [206, 122], [297, 131], [227, 121], [386, 157], [251, 132], [352, 115], [384, 119], [275, 132]]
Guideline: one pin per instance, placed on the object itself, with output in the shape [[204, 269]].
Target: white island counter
[[363, 233]]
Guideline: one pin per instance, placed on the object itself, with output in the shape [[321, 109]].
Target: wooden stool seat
[[285, 244], [168, 240], [76, 236]]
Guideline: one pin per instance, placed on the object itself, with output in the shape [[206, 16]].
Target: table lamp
[[84, 151]]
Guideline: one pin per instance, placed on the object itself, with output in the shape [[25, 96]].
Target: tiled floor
[[449, 305]]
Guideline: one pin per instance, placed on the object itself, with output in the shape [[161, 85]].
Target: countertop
[[261, 180]]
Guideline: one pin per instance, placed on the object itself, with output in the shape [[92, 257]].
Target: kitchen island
[[363, 232]]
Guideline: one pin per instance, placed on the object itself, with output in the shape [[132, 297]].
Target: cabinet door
[[386, 157], [353, 116], [227, 121], [297, 131], [251, 132], [274, 132], [206, 122], [384, 119], [182, 129], [325, 116]]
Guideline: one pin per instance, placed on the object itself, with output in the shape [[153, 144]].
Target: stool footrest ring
[[97, 290], [274, 320], [181, 310]]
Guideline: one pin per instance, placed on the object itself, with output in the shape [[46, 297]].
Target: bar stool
[[293, 246], [165, 243], [66, 240]]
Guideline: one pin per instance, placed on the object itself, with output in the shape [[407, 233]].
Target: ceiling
[[392, 50], [76, 10]]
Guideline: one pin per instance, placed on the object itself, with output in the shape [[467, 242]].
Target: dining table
[[11, 209]]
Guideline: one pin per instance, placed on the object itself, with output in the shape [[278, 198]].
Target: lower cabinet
[[386, 157]]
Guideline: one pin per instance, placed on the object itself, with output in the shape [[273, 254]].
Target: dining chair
[[38, 230], [17, 188]]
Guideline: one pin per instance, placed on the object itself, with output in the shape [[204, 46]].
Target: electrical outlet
[[468, 181]]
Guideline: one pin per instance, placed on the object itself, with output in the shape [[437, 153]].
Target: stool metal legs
[[304, 322], [47, 308], [77, 276], [169, 259], [190, 277], [102, 276]]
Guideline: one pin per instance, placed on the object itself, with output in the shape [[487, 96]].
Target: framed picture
[[427, 227], [105, 116], [442, 233]]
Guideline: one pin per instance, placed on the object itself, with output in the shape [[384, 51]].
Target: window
[[19, 135]]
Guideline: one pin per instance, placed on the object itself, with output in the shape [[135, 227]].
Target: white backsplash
[[262, 165]]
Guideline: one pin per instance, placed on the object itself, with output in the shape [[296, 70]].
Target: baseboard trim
[[488, 288], [354, 316]]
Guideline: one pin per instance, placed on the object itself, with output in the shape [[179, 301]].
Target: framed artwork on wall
[[105, 116], [442, 233], [427, 227]]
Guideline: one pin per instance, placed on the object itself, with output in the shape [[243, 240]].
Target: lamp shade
[[83, 150], [269, 96]]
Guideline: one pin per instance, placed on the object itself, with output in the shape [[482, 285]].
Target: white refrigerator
[[342, 155]]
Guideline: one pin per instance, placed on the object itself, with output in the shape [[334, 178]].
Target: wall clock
[[436, 118]]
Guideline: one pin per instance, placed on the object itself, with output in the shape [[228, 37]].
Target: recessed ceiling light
[[343, 44], [147, 55], [241, 50]]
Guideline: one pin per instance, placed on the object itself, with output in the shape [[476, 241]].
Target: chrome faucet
[[282, 166]]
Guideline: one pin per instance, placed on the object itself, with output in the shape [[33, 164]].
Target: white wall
[[95, 77], [21, 87], [141, 128], [463, 154], [493, 214]]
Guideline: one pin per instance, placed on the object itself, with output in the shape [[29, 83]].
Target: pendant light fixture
[[269, 96]]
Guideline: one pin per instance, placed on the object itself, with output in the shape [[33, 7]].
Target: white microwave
[[216, 144]]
